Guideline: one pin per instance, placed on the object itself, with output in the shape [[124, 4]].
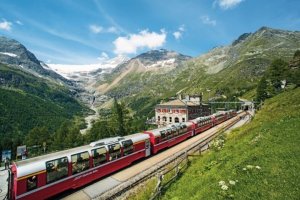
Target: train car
[[219, 117], [202, 123], [165, 137], [45, 176], [232, 113]]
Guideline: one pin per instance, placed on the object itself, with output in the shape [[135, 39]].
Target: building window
[[80, 162], [170, 119], [158, 118], [176, 119], [164, 119], [183, 119], [31, 183], [57, 169]]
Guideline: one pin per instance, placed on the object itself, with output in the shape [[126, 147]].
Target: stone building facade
[[180, 110]]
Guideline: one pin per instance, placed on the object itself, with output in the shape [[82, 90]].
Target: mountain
[[228, 71], [31, 95], [154, 62], [14, 53]]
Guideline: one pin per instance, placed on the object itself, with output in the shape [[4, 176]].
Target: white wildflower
[[231, 182], [244, 169], [258, 167], [224, 187], [221, 183], [250, 166], [236, 180]]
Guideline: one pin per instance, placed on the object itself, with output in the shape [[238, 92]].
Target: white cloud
[[177, 35], [19, 22], [112, 29], [5, 25], [144, 39], [99, 29], [96, 29], [206, 20], [227, 4], [103, 56], [181, 28]]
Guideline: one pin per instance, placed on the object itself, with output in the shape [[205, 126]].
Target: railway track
[[114, 185]]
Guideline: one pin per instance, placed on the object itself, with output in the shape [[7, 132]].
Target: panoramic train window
[[174, 131], [169, 133], [57, 169], [31, 183], [99, 156], [163, 135], [127, 147], [80, 162], [114, 151]]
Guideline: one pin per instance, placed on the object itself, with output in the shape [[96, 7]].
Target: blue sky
[[82, 32]]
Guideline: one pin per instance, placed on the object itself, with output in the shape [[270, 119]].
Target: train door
[[148, 148]]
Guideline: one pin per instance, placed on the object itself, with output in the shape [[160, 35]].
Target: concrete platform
[[3, 182]]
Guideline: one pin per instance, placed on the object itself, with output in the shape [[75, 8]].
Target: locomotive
[[48, 175]]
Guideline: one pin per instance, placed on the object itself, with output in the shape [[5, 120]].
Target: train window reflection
[[57, 169], [80, 162], [114, 151], [127, 147], [31, 183], [99, 156]]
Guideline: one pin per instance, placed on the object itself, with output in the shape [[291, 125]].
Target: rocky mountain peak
[[241, 38], [154, 56], [16, 54]]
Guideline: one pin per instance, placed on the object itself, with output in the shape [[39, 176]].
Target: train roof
[[137, 137], [201, 119], [106, 141], [157, 132]]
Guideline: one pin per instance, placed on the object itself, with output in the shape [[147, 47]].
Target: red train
[[45, 176]]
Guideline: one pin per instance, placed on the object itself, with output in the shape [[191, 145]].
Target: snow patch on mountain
[[76, 72], [162, 63], [9, 54]]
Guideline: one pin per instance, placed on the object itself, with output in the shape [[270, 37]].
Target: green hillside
[[258, 161], [27, 101]]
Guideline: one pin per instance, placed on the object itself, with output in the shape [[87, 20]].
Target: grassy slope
[[270, 141]]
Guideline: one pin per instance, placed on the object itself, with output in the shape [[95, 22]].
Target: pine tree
[[60, 136], [278, 71], [261, 91]]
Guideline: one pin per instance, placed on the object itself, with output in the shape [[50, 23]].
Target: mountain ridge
[[14, 53], [231, 70]]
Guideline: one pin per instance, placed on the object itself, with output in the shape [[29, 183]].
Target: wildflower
[[231, 182], [258, 167], [249, 166], [236, 180], [221, 183], [224, 187], [244, 169]]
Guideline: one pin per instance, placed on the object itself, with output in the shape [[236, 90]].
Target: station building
[[180, 110]]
